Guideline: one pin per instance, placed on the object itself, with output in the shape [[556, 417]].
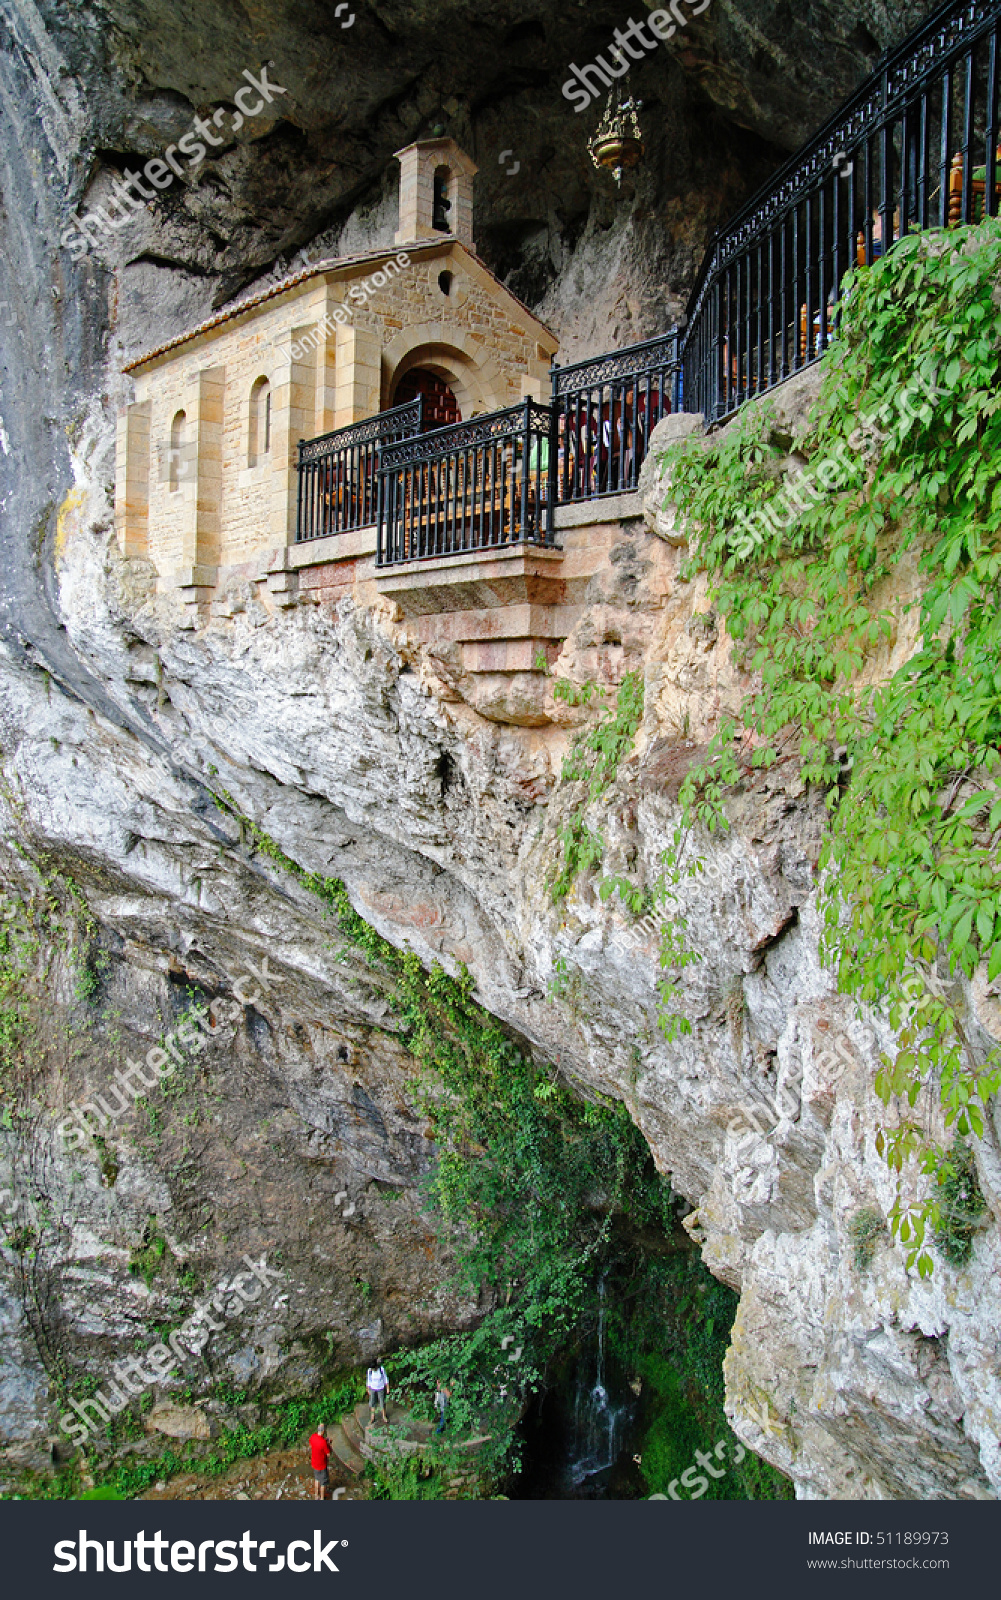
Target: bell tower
[[436, 192]]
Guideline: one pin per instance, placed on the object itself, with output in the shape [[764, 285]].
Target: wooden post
[[956, 190]]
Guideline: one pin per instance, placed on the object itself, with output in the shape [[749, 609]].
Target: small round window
[[446, 281]]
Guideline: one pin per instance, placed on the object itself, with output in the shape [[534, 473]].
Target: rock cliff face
[[338, 737], [368, 757]]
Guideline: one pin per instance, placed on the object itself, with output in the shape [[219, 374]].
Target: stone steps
[[354, 1431], [394, 1438], [398, 1418], [354, 1440], [458, 1483], [345, 1449]]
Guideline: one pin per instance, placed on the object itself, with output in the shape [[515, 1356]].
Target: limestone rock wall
[[366, 756], [331, 729]]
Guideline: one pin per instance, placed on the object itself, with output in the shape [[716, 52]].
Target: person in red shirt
[[319, 1451]]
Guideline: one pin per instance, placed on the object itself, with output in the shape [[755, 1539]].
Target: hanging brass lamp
[[617, 143]]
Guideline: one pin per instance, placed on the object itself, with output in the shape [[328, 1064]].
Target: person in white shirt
[[377, 1385]]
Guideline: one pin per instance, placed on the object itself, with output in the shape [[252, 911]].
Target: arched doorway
[[440, 406]]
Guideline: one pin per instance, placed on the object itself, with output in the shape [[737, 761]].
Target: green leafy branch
[[905, 444], [593, 761]]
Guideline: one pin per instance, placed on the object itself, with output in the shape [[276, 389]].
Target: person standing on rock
[[319, 1452], [377, 1385], [442, 1396]]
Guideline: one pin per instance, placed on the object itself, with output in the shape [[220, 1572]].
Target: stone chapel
[[206, 477]]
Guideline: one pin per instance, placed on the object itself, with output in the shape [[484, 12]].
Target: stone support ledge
[[320, 552], [476, 580], [284, 586], [610, 508], [334, 547], [489, 625], [194, 578], [508, 655]]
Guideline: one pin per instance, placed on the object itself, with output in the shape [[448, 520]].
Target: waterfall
[[597, 1423]]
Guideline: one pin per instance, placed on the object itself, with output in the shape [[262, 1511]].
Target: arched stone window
[[442, 203], [177, 464], [260, 422]]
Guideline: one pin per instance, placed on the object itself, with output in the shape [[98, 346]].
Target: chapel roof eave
[[332, 266]]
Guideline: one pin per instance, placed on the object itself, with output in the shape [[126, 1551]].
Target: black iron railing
[[338, 473], [475, 485], [917, 145], [604, 412]]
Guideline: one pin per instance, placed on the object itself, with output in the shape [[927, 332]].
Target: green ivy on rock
[[904, 449], [593, 762]]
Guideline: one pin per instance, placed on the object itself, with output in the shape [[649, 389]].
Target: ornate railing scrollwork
[[338, 472], [480, 485], [915, 146]]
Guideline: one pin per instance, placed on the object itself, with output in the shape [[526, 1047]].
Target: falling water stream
[[577, 1433], [597, 1422]]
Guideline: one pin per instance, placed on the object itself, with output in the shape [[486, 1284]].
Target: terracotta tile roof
[[332, 263]]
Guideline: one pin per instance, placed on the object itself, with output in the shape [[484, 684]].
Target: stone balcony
[[504, 607]]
